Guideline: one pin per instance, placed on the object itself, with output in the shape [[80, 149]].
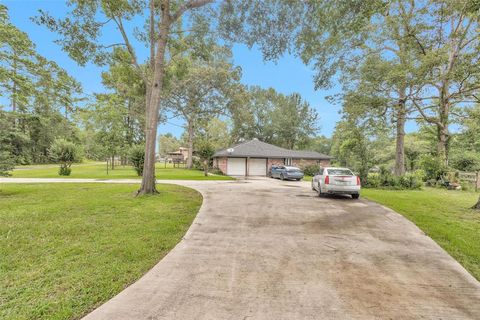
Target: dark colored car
[[286, 173]]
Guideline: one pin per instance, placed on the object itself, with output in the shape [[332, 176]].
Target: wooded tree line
[[38, 99]]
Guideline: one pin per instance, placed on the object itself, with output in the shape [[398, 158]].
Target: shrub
[[197, 163], [432, 167], [65, 153], [205, 151], [64, 171], [384, 179], [409, 181], [6, 163], [466, 185], [216, 171], [311, 169], [373, 180], [467, 161], [137, 157]]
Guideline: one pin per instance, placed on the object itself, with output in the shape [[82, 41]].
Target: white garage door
[[236, 167], [257, 167]]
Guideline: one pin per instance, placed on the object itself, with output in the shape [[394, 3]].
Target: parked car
[[333, 180], [286, 173]]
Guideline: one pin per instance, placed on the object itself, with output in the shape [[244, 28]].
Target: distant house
[[178, 156], [255, 158]]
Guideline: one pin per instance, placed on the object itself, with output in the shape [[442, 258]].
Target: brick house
[[255, 158]]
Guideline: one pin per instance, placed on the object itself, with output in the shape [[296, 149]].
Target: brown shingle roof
[[257, 148]]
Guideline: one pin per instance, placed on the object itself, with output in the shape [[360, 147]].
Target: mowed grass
[[443, 215], [67, 248], [98, 170]]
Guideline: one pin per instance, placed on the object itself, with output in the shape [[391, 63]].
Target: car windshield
[[340, 172]]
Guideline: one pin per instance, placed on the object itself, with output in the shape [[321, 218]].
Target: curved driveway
[[268, 249]]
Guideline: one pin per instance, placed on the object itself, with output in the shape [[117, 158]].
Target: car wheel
[[320, 194], [282, 177], [355, 196]]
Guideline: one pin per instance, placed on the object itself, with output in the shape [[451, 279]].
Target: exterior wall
[[274, 162], [221, 164], [301, 163]]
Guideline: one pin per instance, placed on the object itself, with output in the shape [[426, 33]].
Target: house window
[[288, 161]]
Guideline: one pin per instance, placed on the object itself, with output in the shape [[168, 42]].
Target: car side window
[[321, 172]]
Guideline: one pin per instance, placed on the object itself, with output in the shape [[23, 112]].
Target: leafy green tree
[[294, 122], [351, 148], [37, 91], [65, 153], [468, 137], [107, 118], [287, 121], [81, 30], [214, 130], [167, 143], [253, 119], [16, 63], [130, 89], [137, 158], [320, 144], [6, 163], [415, 147], [205, 151], [450, 45], [323, 33], [200, 91]]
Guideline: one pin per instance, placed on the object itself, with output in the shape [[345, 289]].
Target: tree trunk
[[206, 167], [113, 162], [190, 144], [14, 93], [152, 106], [442, 145], [443, 134], [400, 138], [477, 206]]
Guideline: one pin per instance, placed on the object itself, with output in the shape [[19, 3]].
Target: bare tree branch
[[118, 22]]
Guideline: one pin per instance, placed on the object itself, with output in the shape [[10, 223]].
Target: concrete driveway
[[267, 249]]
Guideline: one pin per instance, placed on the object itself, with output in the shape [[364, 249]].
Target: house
[[255, 158], [181, 155]]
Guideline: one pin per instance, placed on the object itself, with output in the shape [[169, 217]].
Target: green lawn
[[97, 170], [444, 215], [67, 248]]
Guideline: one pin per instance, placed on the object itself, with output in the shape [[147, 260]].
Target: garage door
[[257, 167], [236, 167]]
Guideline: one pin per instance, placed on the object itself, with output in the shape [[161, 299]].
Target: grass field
[[97, 170], [66, 248], [444, 215]]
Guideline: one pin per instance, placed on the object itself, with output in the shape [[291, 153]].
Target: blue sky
[[288, 75]]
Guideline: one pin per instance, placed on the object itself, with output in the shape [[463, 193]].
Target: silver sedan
[[333, 180]]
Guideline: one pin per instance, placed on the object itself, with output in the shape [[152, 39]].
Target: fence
[[472, 177]]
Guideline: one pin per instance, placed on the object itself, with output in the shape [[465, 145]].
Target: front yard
[[443, 215], [66, 248], [97, 170]]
